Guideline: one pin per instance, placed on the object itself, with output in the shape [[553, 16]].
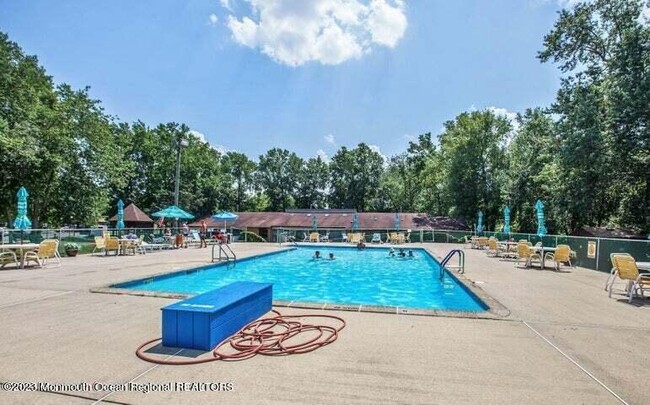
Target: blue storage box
[[205, 320]]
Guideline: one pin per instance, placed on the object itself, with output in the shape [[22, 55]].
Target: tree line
[[587, 156]]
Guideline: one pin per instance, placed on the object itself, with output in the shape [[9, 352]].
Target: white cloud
[[198, 135], [511, 116], [329, 138], [321, 153], [226, 4], [295, 32], [213, 19], [376, 148], [222, 149]]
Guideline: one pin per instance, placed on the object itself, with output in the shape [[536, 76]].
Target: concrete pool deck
[[54, 330]]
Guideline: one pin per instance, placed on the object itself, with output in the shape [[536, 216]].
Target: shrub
[[250, 237]]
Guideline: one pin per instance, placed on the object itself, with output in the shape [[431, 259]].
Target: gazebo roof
[[133, 214]]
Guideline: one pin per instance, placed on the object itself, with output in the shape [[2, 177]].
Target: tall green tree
[[242, 170], [604, 108], [278, 173], [355, 177], [473, 152], [313, 181], [533, 172]]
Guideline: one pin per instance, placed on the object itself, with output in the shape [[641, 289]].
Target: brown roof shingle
[[367, 221], [133, 214]]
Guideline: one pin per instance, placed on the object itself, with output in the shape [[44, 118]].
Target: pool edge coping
[[494, 311]]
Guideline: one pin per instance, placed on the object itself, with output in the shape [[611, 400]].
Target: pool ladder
[[225, 252], [460, 267]]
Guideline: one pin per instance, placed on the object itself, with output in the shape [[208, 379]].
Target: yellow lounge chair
[[6, 257], [525, 252], [100, 245], [493, 248], [625, 269], [313, 237], [112, 244], [562, 254], [47, 249]]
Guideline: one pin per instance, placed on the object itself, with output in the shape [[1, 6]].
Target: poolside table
[[542, 250], [21, 247], [643, 266]]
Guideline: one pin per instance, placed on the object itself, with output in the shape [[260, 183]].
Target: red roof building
[[134, 217], [265, 223]]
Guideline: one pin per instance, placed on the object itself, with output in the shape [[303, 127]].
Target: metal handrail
[[222, 249], [461, 262]]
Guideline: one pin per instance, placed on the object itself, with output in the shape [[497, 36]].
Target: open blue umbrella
[[396, 222], [225, 216], [479, 227], [314, 222], [173, 212], [120, 215], [21, 221], [541, 229], [355, 222], [506, 220]]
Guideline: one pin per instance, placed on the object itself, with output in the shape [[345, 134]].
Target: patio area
[[564, 341]]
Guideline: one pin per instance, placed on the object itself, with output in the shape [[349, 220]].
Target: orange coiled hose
[[280, 335]]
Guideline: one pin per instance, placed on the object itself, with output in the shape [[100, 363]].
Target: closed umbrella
[[120, 215], [479, 227], [396, 222], [541, 229], [355, 222], [506, 220], [225, 216], [22, 222], [314, 222]]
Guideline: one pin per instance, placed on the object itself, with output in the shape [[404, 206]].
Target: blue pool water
[[368, 277]]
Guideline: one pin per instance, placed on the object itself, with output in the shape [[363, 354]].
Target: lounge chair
[[493, 248], [612, 274], [314, 237], [6, 257], [325, 238], [356, 238], [47, 249], [524, 252], [625, 269], [376, 238], [112, 244], [193, 239], [561, 255], [100, 245], [482, 242]]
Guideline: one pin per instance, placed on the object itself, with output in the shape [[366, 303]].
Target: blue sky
[[304, 75]]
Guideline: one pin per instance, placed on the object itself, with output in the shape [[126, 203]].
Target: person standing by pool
[[186, 234], [203, 231]]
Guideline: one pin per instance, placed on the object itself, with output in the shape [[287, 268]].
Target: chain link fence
[[592, 253]]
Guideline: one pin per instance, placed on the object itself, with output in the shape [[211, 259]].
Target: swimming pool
[[368, 277]]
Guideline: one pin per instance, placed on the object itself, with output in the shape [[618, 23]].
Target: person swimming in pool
[[401, 253], [331, 256], [410, 254], [317, 254], [391, 252]]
